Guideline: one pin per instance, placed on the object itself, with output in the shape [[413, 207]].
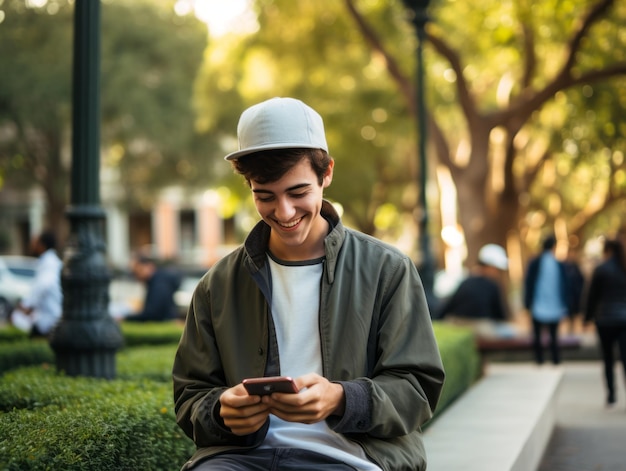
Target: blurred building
[[181, 227], [21, 217]]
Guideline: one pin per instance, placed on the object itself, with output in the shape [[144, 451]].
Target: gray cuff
[[357, 413]]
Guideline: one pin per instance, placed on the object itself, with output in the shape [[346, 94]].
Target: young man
[[342, 313]]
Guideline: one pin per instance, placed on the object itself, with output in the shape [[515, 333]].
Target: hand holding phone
[[269, 385]]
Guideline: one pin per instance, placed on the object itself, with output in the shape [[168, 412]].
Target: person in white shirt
[[41, 309]]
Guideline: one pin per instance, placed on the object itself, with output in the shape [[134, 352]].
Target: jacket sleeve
[[199, 381], [402, 389]]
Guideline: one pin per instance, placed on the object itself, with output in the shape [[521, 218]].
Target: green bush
[[9, 333], [58, 422], [151, 333], [26, 352], [461, 361], [17, 350], [146, 362], [134, 333]]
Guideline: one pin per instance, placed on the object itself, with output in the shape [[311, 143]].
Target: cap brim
[[284, 145]]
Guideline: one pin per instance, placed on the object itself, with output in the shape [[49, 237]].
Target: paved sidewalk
[[588, 436]]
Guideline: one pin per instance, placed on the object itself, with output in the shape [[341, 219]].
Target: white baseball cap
[[279, 123], [493, 255]]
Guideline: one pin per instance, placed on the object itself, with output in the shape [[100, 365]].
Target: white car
[[16, 277]]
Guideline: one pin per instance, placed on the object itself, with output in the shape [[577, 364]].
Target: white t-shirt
[[295, 310]]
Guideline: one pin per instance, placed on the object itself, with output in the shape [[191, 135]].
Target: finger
[[242, 412], [246, 425], [237, 396], [308, 380]]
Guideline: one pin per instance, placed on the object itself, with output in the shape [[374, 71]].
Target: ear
[[328, 176]]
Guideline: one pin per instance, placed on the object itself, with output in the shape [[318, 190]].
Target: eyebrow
[[291, 188]]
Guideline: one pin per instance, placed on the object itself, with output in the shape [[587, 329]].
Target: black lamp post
[[419, 18], [86, 338]]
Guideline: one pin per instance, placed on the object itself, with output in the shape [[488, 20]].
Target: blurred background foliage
[[526, 104]]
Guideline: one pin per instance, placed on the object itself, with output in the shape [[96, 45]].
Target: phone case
[[269, 385]]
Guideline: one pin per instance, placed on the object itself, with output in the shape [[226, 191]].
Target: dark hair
[[549, 242], [615, 249], [270, 165], [48, 240]]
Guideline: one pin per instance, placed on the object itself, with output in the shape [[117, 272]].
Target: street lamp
[[419, 18], [86, 338]]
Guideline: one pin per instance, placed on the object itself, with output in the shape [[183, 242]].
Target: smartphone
[[269, 385]]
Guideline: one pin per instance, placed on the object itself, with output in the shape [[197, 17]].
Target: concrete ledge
[[503, 423]]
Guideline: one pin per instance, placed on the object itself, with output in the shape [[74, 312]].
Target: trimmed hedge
[[17, 350], [24, 353], [150, 362], [461, 361], [134, 333], [11, 334], [151, 333], [49, 421], [57, 422]]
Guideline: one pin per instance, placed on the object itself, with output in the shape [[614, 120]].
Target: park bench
[[498, 344]]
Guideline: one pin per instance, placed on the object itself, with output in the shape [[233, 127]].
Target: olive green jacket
[[376, 337]]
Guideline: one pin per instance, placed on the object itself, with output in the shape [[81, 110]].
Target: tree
[[508, 63], [508, 88], [35, 56], [149, 58]]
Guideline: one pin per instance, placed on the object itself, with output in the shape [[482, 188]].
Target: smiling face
[[291, 207]]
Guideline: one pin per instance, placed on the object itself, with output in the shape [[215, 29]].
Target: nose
[[284, 209]]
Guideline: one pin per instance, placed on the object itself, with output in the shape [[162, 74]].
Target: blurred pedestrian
[[479, 301], [546, 297], [621, 237], [161, 284], [606, 305], [40, 310], [575, 283]]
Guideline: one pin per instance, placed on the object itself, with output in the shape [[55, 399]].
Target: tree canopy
[[519, 100], [150, 57], [521, 75]]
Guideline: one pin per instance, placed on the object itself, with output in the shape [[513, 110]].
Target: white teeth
[[291, 224]]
